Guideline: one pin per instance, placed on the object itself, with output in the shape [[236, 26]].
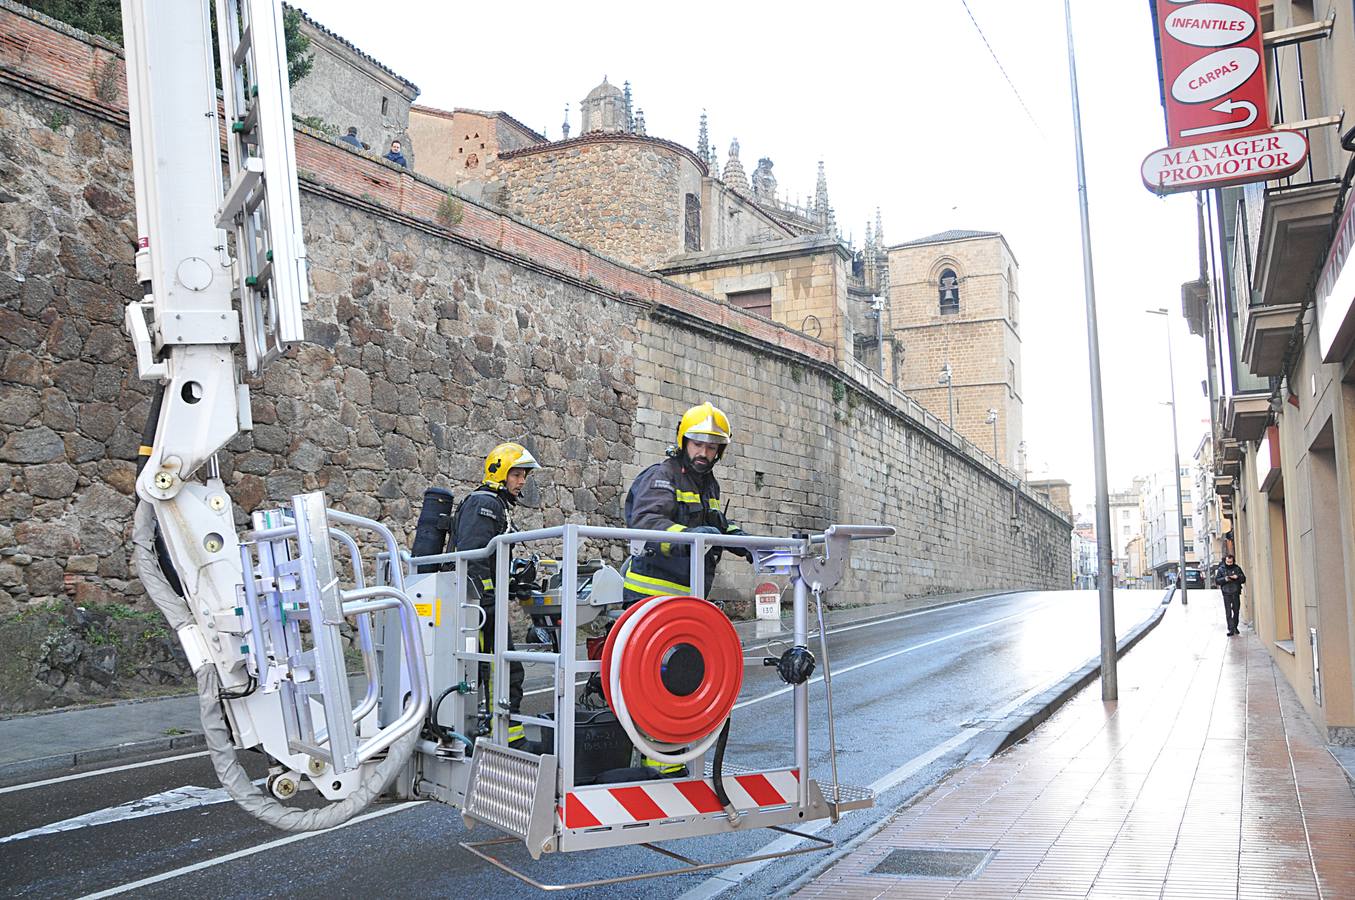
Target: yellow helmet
[[505, 457], [704, 423]]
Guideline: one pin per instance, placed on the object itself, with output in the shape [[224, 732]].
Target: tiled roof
[[945, 237], [351, 46], [607, 137]]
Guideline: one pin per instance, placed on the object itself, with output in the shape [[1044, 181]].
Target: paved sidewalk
[[37, 744], [1206, 779]]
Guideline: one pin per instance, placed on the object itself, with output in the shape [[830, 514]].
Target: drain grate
[[918, 863]]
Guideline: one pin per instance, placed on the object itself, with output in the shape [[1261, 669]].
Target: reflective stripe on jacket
[[668, 496]]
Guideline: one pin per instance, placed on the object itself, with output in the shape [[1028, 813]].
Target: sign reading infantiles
[[1214, 91]]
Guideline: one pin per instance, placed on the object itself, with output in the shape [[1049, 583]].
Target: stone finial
[[564, 129], [630, 115], [879, 229], [734, 174], [764, 182], [640, 122], [714, 163], [703, 139], [823, 210]]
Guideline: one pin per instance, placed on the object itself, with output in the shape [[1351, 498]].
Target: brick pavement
[[1207, 779]]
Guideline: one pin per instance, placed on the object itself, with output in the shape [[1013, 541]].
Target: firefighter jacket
[[482, 516], [668, 496], [1224, 582]]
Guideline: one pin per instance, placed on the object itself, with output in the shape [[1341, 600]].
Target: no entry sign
[[1214, 91]]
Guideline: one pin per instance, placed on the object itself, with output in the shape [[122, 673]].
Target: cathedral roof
[[946, 237], [606, 89]]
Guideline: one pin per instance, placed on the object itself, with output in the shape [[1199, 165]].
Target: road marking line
[[189, 796], [718, 884], [64, 778], [886, 656], [248, 851]]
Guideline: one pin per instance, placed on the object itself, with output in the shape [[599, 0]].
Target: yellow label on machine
[[430, 611]]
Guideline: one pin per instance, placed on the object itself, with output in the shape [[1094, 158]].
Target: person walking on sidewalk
[[1229, 578]]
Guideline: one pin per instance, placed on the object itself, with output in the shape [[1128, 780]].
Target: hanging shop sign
[[1259, 157], [1214, 91]]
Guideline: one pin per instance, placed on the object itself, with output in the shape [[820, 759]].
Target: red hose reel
[[680, 668]]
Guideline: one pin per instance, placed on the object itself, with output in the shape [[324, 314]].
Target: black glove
[[703, 529]]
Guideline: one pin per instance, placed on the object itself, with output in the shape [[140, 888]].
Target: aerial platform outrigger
[[265, 616]]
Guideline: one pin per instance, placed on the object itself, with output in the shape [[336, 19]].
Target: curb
[[45, 764], [1033, 713]]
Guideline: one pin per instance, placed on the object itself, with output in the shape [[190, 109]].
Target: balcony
[[1223, 485], [1245, 416], [1267, 333], [1297, 210]]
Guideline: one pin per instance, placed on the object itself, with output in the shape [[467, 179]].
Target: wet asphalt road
[[910, 693]]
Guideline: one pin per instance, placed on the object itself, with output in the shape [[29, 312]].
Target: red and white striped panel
[[652, 800]]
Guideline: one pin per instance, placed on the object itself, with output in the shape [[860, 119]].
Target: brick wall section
[[426, 346]]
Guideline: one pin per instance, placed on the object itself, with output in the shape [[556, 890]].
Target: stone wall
[[428, 342], [621, 194]]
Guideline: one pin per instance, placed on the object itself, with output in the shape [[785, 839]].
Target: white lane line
[[718, 884], [189, 796], [248, 851], [65, 778], [891, 655]]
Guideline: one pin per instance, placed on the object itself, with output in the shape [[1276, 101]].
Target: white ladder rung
[[240, 191], [242, 51]]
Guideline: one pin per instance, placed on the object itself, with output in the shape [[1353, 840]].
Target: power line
[[1001, 68]]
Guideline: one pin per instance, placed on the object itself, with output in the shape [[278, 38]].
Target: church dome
[[604, 90]]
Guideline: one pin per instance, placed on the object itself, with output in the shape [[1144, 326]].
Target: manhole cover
[[919, 863]]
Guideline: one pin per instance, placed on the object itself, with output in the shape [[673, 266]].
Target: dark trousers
[[516, 674], [1232, 603]]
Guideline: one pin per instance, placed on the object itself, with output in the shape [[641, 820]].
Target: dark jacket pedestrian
[[1229, 578], [352, 137], [396, 156]]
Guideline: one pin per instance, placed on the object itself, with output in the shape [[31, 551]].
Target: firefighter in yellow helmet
[[678, 494], [484, 515]]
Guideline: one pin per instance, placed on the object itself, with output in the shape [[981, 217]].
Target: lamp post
[[992, 420], [1110, 689], [948, 379], [1176, 461]]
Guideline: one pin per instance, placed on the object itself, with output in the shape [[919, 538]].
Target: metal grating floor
[[915, 862]]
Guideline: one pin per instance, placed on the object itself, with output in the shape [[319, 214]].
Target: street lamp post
[[992, 420], [1176, 461], [1110, 689], [948, 379]]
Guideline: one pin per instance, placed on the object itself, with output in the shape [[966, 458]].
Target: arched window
[[948, 287]]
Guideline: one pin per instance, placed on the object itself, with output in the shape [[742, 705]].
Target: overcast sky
[[909, 112]]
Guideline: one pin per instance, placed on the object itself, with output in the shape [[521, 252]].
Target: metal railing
[[1288, 95]]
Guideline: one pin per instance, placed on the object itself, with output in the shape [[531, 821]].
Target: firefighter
[[484, 515], [679, 494]]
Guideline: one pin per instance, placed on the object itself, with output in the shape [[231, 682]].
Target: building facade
[[348, 88], [956, 320], [1162, 523], [1126, 523], [1275, 302]]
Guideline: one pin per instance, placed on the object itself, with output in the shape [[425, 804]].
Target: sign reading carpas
[[1214, 91]]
